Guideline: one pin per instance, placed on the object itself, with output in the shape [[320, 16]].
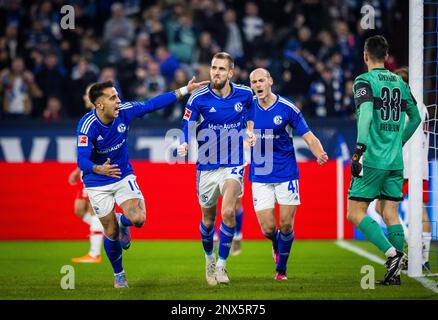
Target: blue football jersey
[[98, 141], [280, 119], [219, 125]]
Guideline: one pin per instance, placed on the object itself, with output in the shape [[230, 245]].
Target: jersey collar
[[100, 122], [220, 98], [271, 107]]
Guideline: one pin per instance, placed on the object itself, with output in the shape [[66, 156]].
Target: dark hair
[[403, 72], [96, 90], [377, 48], [226, 56]]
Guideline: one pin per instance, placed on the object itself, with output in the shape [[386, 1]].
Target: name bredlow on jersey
[[389, 127]]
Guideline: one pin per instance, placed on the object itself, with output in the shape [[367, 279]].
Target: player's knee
[[139, 219], [228, 216], [351, 217], [269, 231], [286, 227], [111, 232]]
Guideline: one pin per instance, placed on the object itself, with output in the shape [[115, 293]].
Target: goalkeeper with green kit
[[383, 100]]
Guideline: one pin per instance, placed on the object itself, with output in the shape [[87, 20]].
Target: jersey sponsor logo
[[212, 109], [99, 138], [361, 92], [116, 147], [82, 141], [278, 120], [121, 128], [224, 126], [238, 107], [187, 114]]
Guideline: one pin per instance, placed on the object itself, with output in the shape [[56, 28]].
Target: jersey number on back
[[391, 104]]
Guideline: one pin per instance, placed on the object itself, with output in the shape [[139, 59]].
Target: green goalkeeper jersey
[[382, 102]]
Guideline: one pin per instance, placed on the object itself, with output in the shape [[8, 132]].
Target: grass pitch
[[174, 270]]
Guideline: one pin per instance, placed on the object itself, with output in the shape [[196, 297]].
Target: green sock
[[373, 233], [396, 236]]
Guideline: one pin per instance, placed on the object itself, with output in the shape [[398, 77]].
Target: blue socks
[[284, 245], [225, 239], [207, 238], [125, 221], [114, 252], [274, 238]]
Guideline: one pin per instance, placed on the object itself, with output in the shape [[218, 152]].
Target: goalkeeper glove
[[357, 160]]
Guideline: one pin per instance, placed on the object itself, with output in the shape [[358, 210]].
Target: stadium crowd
[[313, 49]]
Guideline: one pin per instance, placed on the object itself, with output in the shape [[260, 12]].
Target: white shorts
[[102, 198], [266, 194], [209, 183]]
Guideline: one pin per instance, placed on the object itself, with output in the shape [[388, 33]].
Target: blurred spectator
[[154, 27], [231, 38], [154, 83], [207, 48], [83, 73], [347, 45], [326, 95], [175, 112], [126, 66], [53, 110], [327, 45], [208, 16], [109, 74], [18, 87], [168, 63], [252, 26], [118, 31], [348, 99], [13, 46], [181, 38], [5, 60], [52, 78]]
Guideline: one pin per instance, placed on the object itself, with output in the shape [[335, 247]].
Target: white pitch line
[[426, 282]]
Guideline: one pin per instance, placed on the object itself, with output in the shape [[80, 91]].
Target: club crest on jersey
[[238, 107], [187, 114], [82, 141], [121, 128], [204, 197], [278, 120]]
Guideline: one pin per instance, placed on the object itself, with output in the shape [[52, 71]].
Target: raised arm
[[315, 147], [163, 100]]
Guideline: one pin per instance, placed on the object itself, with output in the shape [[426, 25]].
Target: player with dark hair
[[275, 117], [82, 207], [382, 100], [220, 110], [107, 174], [403, 72]]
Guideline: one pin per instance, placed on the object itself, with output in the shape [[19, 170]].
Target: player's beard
[[218, 85]]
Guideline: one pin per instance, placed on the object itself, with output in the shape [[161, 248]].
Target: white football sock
[[391, 252], [221, 263], [96, 240], [427, 237], [87, 218]]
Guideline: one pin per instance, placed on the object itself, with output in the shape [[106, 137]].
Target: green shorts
[[377, 183]]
